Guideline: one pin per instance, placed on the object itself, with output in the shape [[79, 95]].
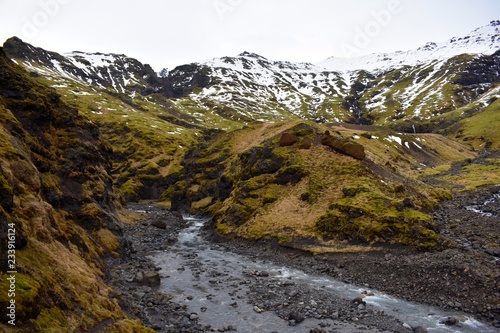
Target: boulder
[[159, 224], [343, 146], [287, 139], [295, 316], [306, 144], [148, 278], [360, 299], [449, 321]]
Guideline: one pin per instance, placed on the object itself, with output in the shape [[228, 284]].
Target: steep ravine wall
[[57, 214]]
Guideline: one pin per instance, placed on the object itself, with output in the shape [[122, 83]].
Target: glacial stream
[[213, 283]]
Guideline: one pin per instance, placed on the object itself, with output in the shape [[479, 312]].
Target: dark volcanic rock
[[159, 224], [259, 160]]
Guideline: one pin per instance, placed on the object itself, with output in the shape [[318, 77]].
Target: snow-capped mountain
[[258, 88], [379, 88], [97, 70], [483, 40], [402, 88]]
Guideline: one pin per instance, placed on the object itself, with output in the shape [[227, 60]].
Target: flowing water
[[214, 283], [485, 208]]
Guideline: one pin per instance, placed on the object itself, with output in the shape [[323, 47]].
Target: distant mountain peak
[[495, 23], [483, 40], [251, 55]]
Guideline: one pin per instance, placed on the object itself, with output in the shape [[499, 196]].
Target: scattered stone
[[449, 321], [151, 278], [359, 300], [139, 277], [257, 309], [296, 317], [317, 330], [407, 326], [262, 274], [343, 146], [159, 224]]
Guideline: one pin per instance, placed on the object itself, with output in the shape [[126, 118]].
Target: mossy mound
[[260, 182], [371, 216]]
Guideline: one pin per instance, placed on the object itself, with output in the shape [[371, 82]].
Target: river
[[215, 285]]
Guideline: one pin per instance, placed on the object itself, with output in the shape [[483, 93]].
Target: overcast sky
[[167, 33]]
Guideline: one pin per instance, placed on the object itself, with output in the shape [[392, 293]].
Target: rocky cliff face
[[58, 200]]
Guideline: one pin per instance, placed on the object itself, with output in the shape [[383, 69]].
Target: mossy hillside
[[208, 113], [60, 270], [372, 216], [146, 147], [140, 131], [59, 196], [300, 209], [481, 130], [210, 165], [288, 192], [412, 155], [472, 124], [417, 94]]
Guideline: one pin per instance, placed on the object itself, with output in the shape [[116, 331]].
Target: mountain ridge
[[250, 87]]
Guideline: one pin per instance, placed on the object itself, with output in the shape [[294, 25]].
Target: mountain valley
[[371, 168]]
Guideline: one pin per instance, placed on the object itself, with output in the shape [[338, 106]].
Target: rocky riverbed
[[458, 278], [136, 279]]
